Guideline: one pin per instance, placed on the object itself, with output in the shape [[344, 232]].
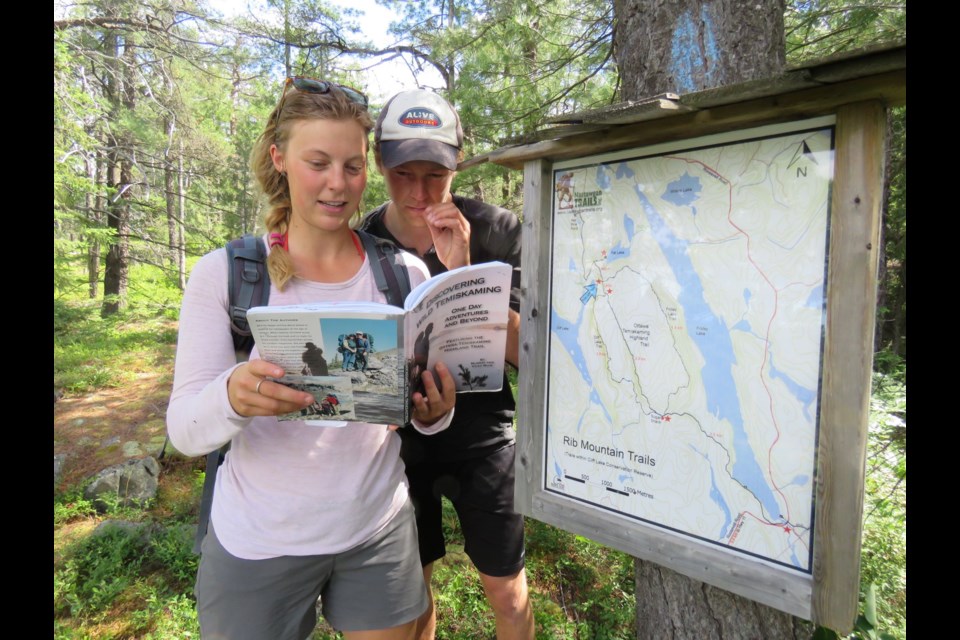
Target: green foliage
[[866, 626], [883, 555], [593, 584], [97, 571], [883, 558], [144, 571], [71, 506], [171, 551], [90, 352], [819, 28], [508, 65], [459, 600], [891, 332], [172, 616]]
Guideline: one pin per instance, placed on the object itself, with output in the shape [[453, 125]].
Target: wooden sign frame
[[828, 595]]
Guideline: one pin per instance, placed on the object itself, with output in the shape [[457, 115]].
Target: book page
[[349, 357], [460, 318]]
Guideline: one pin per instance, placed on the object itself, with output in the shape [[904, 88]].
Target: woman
[[299, 511]]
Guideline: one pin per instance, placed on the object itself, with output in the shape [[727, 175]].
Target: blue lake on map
[[717, 498], [717, 351], [799, 480], [617, 253], [603, 178], [815, 299], [629, 227], [568, 334], [683, 190], [803, 394]]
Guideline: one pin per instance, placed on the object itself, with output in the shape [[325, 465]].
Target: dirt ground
[[109, 426]]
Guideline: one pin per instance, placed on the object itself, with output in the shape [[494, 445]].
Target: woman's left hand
[[436, 401]]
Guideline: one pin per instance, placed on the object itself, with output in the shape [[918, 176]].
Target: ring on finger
[[262, 380]]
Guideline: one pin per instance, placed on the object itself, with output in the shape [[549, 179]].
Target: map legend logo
[[569, 198]]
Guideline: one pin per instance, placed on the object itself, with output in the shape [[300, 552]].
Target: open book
[[362, 360]]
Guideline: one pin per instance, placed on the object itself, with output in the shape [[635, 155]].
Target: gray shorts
[[376, 585]]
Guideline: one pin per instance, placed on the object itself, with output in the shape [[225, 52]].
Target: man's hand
[[434, 402], [451, 234]]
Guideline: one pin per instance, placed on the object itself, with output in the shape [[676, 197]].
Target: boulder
[[58, 466], [131, 484]]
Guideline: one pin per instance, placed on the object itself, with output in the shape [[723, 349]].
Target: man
[[421, 356], [313, 361], [349, 352], [418, 143], [363, 346]]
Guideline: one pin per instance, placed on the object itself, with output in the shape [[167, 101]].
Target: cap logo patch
[[420, 118]]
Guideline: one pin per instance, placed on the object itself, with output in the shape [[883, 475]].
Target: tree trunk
[[683, 46], [120, 167], [96, 204], [171, 196], [671, 606], [116, 267], [181, 216]]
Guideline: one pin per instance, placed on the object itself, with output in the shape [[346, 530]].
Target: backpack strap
[[388, 271], [248, 285], [214, 460]]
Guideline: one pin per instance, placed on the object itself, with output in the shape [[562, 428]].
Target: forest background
[[156, 106]]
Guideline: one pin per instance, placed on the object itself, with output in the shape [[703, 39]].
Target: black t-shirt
[[483, 422]]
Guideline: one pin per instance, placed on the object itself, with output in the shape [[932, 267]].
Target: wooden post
[[534, 324], [848, 360]]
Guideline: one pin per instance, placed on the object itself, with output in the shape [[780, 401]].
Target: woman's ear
[[277, 156]]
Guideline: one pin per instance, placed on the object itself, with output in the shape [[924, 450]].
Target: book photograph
[[334, 398]]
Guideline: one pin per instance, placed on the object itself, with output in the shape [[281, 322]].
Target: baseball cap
[[418, 125]]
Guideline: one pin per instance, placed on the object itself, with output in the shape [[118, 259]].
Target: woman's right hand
[[251, 394]]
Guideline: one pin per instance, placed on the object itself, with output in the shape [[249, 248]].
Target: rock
[[58, 461], [132, 449], [131, 484], [112, 440]]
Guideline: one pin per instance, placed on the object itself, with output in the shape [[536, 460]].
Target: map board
[[686, 326]]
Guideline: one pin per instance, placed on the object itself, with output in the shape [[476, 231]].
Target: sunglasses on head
[[312, 85]]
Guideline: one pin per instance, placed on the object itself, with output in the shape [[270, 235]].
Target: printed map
[[687, 315]]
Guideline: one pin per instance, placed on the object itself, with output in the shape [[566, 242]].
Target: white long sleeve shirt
[[284, 488]]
